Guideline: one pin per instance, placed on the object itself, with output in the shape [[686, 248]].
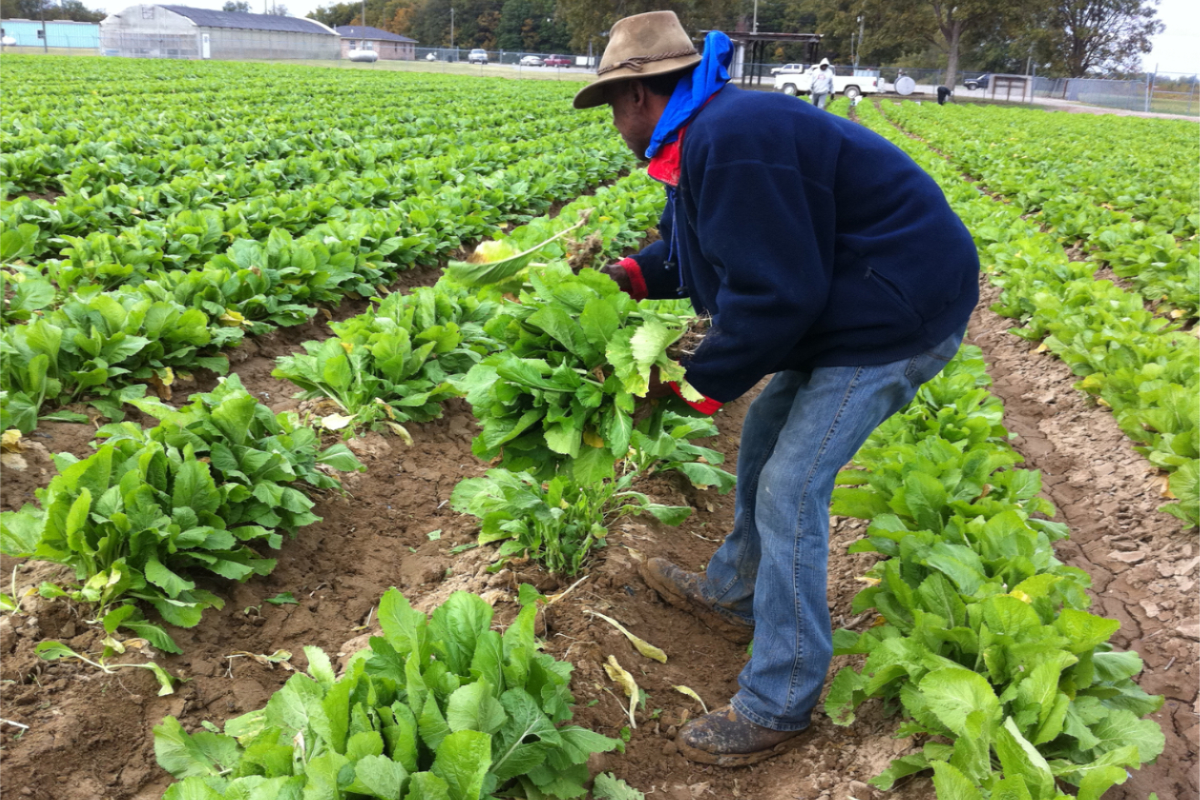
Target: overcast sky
[[1175, 50]]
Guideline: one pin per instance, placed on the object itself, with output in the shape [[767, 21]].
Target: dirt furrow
[[1144, 565]]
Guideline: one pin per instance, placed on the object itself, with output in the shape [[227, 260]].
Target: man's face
[[632, 115]]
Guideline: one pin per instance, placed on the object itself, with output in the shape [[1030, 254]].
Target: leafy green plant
[[102, 346], [440, 708], [49, 650], [983, 637], [191, 494], [1137, 362], [556, 523], [390, 365], [560, 394]]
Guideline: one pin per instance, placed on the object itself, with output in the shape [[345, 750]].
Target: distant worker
[[825, 257], [943, 95], [822, 84]]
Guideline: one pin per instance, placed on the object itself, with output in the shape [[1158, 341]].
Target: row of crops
[[180, 232], [1135, 351], [166, 249]]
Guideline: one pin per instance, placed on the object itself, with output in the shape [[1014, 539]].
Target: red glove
[[705, 406], [628, 276]]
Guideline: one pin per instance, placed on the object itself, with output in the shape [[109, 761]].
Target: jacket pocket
[[896, 296]]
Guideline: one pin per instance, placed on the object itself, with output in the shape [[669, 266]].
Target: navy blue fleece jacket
[[809, 239]]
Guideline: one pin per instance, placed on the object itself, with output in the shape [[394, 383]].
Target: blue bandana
[[693, 90]]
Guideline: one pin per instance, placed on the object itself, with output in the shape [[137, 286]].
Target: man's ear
[[638, 95]]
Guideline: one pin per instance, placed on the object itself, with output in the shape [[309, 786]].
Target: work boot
[[727, 739], [682, 590]]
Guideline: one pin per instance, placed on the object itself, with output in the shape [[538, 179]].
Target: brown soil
[[90, 735], [50, 195]]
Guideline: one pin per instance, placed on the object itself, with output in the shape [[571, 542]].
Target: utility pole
[[364, 15], [755, 28], [45, 42], [452, 32]]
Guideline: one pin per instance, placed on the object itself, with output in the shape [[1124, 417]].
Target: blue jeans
[[802, 429], [819, 100]]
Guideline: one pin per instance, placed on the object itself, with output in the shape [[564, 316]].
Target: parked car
[[477, 56], [557, 61], [978, 83], [787, 68], [531, 61]]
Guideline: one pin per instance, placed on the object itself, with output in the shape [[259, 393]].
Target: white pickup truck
[[799, 81]]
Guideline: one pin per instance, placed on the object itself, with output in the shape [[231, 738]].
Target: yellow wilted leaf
[[622, 678], [278, 657], [400, 431], [592, 439], [1162, 484], [692, 694], [1177, 313], [10, 441], [643, 647], [1101, 401], [386, 408], [233, 319], [487, 252], [1017, 593], [348, 347], [868, 581], [1041, 348], [335, 422]]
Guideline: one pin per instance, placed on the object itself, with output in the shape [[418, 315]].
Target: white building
[[169, 31]]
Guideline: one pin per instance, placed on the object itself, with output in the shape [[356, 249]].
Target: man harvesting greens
[[824, 255]]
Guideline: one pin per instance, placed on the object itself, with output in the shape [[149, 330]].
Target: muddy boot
[[727, 739], [682, 590]]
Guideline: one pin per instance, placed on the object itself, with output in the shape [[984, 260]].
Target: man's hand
[[618, 274]]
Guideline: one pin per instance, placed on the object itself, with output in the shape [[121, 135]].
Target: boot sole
[[736, 759], [729, 630]]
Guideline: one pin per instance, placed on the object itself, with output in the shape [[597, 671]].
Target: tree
[[530, 25], [236, 6], [335, 15], [395, 16], [589, 20], [1084, 37], [73, 10]]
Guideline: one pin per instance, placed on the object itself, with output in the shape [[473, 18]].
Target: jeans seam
[[753, 491], [797, 663], [764, 722]]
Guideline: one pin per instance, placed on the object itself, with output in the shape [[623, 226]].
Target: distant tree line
[[73, 10], [1069, 38]]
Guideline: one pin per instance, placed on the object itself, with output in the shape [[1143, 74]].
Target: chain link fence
[[1159, 93], [1164, 93]]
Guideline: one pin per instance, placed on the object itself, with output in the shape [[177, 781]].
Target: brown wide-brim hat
[[639, 47]]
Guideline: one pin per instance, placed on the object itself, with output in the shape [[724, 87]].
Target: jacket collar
[[664, 167], [665, 164]]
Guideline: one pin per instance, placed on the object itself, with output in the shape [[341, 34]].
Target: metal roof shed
[[171, 31]]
